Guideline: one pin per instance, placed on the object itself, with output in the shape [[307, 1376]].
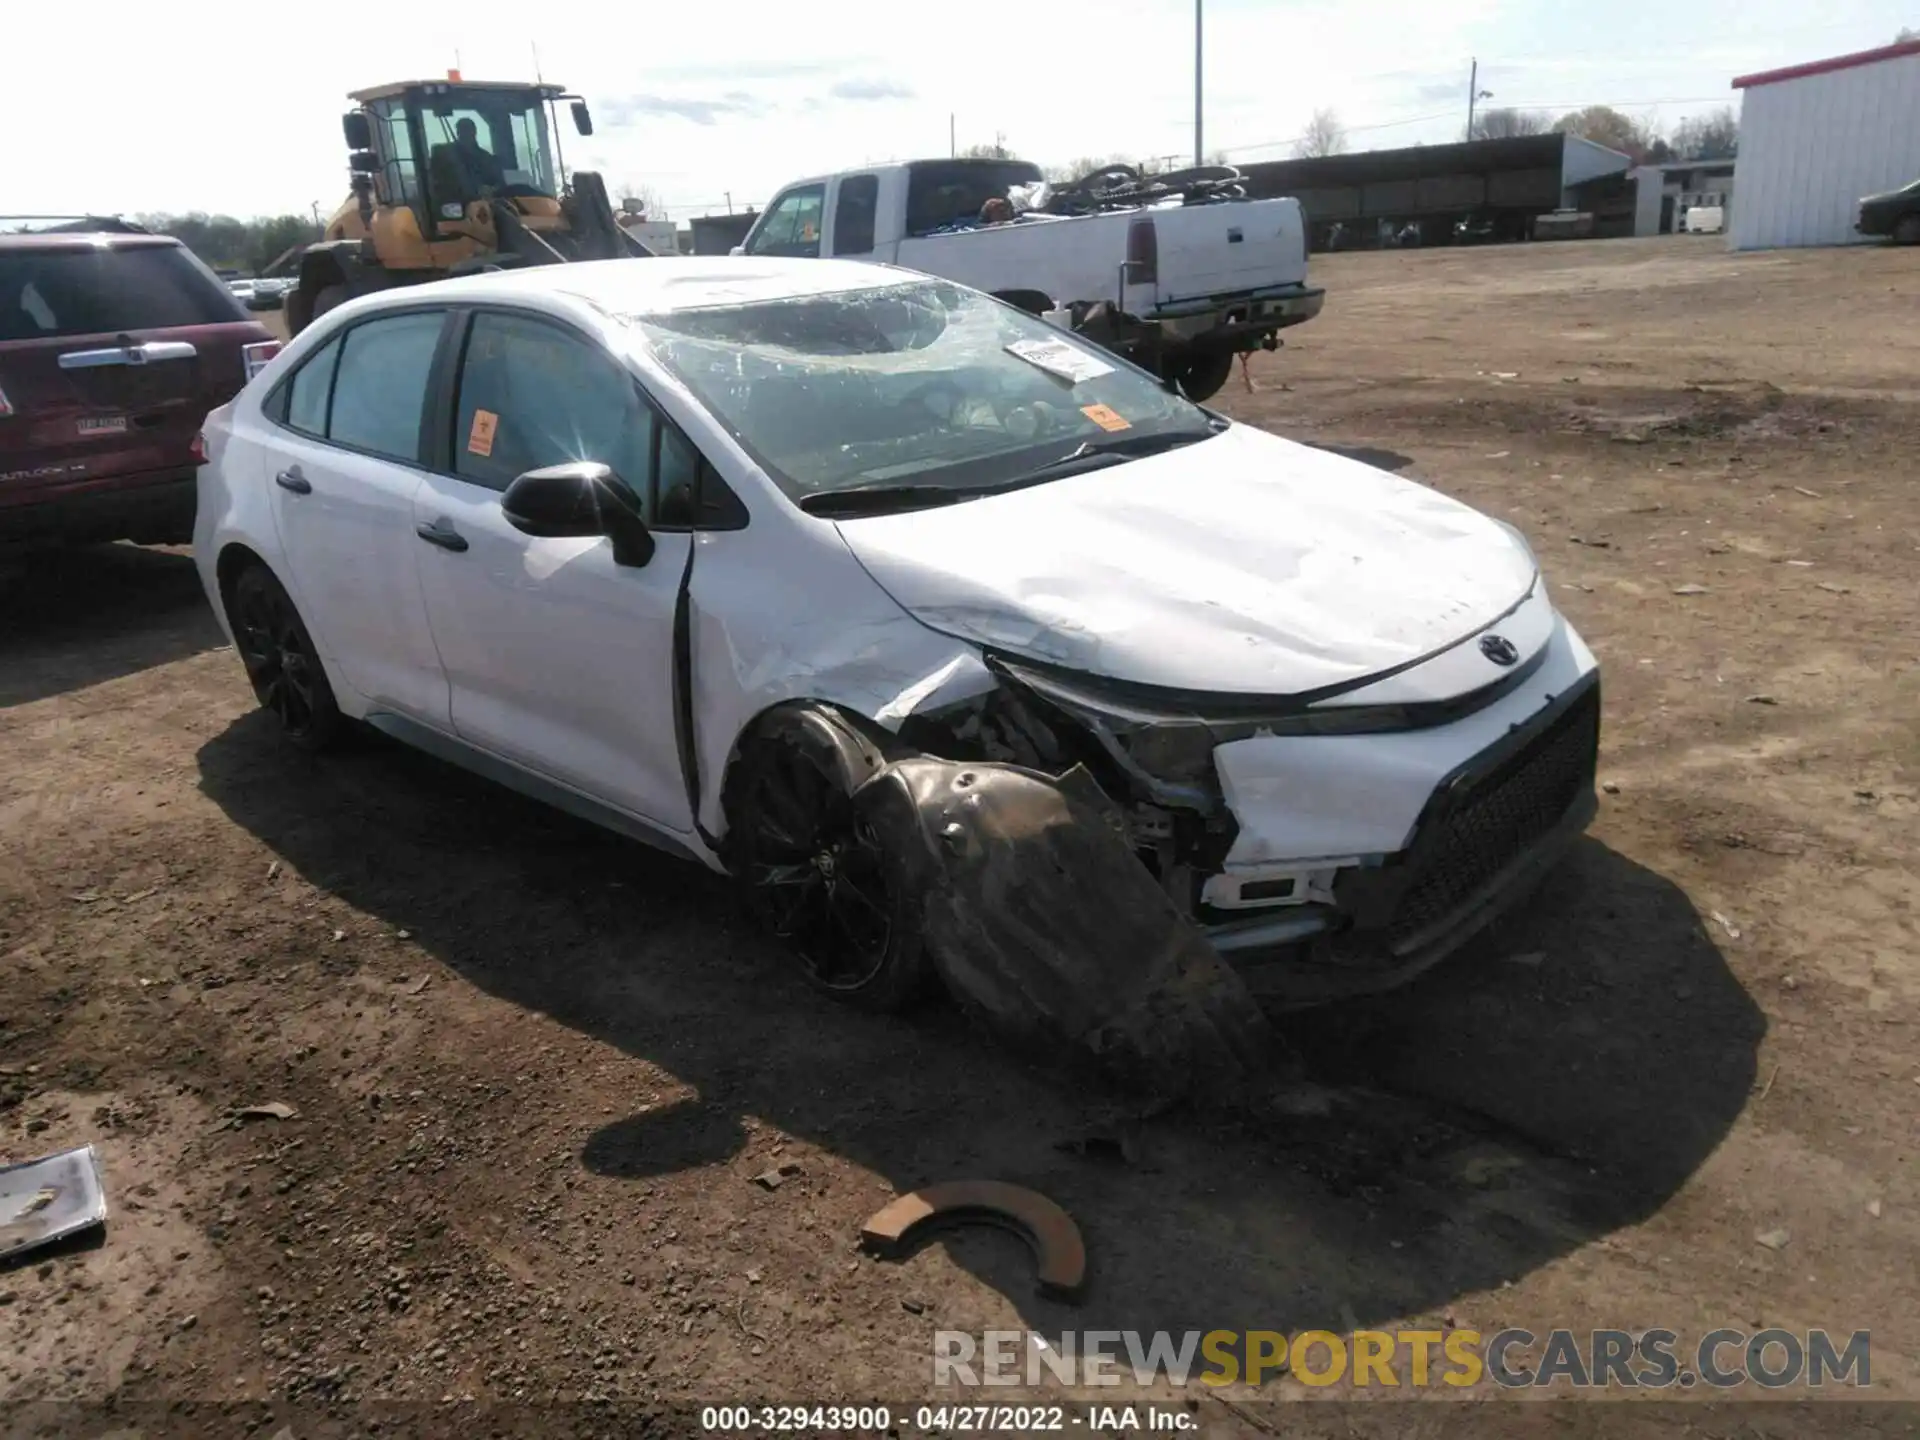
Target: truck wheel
[[1200, 376], [331, 297], [1907, 232]]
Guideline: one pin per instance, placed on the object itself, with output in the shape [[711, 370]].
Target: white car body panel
[[1245, 563], [1333, 798]]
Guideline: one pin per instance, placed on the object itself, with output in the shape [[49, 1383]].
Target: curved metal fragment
[[1058, 1251]]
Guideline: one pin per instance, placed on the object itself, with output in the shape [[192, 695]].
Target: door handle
[[293, 480], [445, 537]]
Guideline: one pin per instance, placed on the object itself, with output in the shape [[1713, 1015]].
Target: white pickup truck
[[1178, 273]]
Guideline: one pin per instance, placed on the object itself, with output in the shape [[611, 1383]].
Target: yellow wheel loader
[[450, 177]]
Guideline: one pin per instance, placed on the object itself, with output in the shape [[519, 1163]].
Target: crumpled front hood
[[1242, 564]]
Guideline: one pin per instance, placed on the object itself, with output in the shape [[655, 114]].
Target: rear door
[[111, 355]]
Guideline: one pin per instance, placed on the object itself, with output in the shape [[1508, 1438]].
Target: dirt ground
[[537, 1068]]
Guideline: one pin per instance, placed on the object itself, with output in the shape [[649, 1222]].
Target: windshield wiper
[[880, 499], [1091, 453]]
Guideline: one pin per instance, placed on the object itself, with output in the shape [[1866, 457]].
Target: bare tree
[[996, 151], [1907, 32], [1506, 123], [1604, 125], [1325, 135], [641, 201], [1713, 136]]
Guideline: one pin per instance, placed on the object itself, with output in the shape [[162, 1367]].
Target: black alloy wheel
[[282, 664]]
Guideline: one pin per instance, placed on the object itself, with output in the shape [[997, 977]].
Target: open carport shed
[[1509, 181], [1816, 138]]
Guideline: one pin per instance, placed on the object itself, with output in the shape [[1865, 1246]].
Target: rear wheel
[[1907, 232], [282, 664], [1201, 375], [813, 872]]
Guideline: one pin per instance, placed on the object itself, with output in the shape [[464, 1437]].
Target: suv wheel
[[282, 664], [813, 872], [1907, 232]]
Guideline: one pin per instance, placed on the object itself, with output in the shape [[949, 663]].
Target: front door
[[559, 659], [343, 483]]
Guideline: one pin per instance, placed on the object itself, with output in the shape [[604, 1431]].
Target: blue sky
[[197, 106]]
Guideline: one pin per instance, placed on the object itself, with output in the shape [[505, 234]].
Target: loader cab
[[437, 147]]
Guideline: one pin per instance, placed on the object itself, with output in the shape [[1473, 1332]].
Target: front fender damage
[[1051, 934]]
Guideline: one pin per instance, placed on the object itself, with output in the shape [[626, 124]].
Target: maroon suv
[[114, 345]]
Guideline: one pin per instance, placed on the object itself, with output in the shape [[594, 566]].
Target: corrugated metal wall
[[1811, 147]]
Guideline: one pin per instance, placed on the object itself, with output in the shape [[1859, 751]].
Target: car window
[[943, 193], [380, 384], [103, 290], [792, 225], [533, 394], [920, 383], [310, 389], [853, 212]]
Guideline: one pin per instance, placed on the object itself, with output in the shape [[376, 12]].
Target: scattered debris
[[1772, 1239], [1591, 544], [776, 1177], [338, 936], [1733, 931], [1059, 1252], [273, 871], [419, 985], [269, 1110], [914, 1307], [1499, 455], [1611, 787], [1762, 700], [1873, 1208], [1810, 494], [403, 934], [1836, 589], [1803, 564], [46, 1200], [1765, 1089], [1689, 589]]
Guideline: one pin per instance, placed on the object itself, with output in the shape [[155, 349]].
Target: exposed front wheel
[[282, 664], [812, 870], [1907, 232]]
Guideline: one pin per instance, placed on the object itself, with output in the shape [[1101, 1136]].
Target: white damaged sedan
[[965, 646]]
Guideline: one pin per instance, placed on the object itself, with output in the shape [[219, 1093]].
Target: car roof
[[662, 284], [85, 240]]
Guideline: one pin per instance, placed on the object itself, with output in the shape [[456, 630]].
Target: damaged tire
[[1201, 375], [812, 870]]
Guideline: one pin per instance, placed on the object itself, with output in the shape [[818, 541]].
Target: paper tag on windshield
[[1106, 417], [480, 438], [1057, 357]]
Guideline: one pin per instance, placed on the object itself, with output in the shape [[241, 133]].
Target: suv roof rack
[[68, 224]]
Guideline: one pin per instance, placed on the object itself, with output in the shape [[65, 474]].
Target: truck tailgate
[[1229, 248]]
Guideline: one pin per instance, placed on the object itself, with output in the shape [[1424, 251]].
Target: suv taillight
[[257, 355], [1143, 253], [199, 448]]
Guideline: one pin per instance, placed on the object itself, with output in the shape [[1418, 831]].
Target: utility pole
[[729, 195], [953, 138], [1474, 93], [1199, 146]]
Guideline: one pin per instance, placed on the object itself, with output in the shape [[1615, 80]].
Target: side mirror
[[578, 499], [582, 121], [738, 250], [363, 162], [357, 129]]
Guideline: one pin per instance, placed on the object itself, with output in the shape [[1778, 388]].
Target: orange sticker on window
[[1106, 417], [480, 437]]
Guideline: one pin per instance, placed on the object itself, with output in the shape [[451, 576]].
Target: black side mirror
[[357, 129], [582, 121], [364, 162], [580, 498]]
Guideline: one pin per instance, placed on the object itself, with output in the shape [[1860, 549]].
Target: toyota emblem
[[1499, 649]]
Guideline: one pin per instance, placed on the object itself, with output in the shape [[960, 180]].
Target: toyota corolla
[[968, 648]]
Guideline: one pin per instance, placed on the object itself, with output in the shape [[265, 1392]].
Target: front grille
[[1502, 813]]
